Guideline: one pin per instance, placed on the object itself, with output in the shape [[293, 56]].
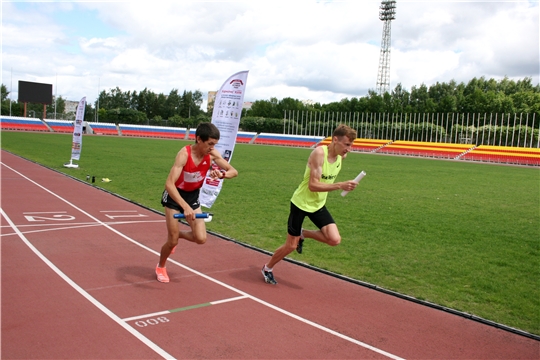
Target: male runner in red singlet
[[182, 187]]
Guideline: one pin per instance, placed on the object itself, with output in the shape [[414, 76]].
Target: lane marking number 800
[[156, 321]]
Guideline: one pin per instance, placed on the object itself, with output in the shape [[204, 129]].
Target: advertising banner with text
[[226, 116]]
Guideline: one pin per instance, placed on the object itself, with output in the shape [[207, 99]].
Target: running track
[[78, 282]]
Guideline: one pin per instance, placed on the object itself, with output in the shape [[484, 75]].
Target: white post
[[532, 132], [379, 129], [290, 126], [519, 130], [11, 92], [489, 130], [537, 145], [431, 128], [398, 135], [392, 137], [294, 123], [298, 128], [465, 127], [413, 128], [424, 126], [365, 122], [500, 133], [474, 131], [526, 131], [97, 107], [318, 113], [386, 125], [55, 96], [513, 129]]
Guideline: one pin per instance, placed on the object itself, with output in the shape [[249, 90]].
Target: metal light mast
[[387, 13]]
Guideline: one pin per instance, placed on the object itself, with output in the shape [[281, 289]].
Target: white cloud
[[322, 51]]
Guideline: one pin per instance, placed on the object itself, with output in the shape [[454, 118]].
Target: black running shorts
[[320, 218], [191, 197]]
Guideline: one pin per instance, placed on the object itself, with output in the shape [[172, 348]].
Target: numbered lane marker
[[152, 315], [58, 216]]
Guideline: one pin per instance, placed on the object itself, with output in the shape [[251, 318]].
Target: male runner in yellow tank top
[[309, 199]]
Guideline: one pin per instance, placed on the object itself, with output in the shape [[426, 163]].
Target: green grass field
[[459, 234]]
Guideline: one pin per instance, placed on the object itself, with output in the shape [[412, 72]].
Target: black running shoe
[[268, 277], [299, 246], [300, 242]]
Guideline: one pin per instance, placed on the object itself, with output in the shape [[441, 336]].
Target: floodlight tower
[[387, 13]]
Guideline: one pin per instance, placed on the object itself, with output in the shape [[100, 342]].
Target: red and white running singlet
[[192, 177]]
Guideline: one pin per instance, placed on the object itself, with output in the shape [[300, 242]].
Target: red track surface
[[78, 282]]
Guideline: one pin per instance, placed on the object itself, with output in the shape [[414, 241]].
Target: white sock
[[266, 268]]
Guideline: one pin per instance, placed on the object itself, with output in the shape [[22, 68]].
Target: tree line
[[126, 107], [479, 95]]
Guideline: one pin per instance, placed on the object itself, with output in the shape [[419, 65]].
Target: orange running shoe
[[162, 274]]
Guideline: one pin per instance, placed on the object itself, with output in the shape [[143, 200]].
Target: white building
[[71, 106]]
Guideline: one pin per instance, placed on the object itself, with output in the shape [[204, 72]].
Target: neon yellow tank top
[[311, 201]]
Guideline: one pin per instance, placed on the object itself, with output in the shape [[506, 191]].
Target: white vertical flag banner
[[76, 144], [226, 116]]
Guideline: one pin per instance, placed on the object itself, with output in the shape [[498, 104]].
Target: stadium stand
[[504, 154], [369, 145], [287, 140], [468, 152], [245, 137], [22, 123], [190, 134], [61, 126], [103, 128], [152, 131], [365, 145], [425, 149]]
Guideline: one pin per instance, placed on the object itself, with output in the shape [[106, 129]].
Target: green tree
[[5, 101], [265, 108]]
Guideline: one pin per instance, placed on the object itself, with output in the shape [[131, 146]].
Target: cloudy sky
[[322, 51]]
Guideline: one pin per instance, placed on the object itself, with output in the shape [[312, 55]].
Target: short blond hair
[[344, 130]]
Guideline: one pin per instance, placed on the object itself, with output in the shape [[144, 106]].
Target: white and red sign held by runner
[[226, 116]]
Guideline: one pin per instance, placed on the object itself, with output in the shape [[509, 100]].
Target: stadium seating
[[22, 123], [61, 126], [287, 140], [365, 145], [152, 131], [245, 137], [468, 152], [504, 154], [425, 149], [103, 128]]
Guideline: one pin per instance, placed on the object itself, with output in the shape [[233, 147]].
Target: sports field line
[[185, 308], [116, 318], [88, 297], [72, 226]]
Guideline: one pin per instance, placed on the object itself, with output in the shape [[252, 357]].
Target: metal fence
[[514, 130]]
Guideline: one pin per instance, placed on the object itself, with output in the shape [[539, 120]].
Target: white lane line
[[45, 212], [89, 223], [87, 296], [165, 312], [72, 226], [285, 312], [227, 300]]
